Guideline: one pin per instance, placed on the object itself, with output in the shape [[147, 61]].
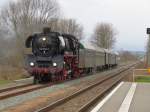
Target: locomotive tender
[[56, 56]]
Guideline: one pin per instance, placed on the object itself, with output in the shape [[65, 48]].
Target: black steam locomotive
[[56, 57]]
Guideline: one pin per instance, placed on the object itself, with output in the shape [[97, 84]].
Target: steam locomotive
[[55, 57]]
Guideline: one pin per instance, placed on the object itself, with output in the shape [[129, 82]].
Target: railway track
[[13, 88], [82, 99], [18, 90], [22, 89]]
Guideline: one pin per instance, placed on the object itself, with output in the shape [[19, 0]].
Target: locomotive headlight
[[44, 39], [54, 64], [31, 64]]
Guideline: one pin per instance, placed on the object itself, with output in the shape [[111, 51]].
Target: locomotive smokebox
[[46, 30]]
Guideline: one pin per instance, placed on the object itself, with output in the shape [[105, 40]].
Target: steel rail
[[66, 99], [10, 89], [93, 101], [26, 89], [14, 87]]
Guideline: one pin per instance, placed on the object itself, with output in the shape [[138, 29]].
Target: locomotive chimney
[[46, 30]]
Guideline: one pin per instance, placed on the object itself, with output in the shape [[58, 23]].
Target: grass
[[10, 73], [3, 82], [143, 79]]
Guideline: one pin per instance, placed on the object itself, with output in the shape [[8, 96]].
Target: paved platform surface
[[126, 97]]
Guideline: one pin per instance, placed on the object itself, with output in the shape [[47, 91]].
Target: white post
[[133, 74]]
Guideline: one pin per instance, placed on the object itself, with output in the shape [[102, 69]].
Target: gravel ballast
[[58, 90]]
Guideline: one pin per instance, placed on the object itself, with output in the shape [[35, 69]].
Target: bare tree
[[27, 16], [105, 35], [69, 26], [24, 17]]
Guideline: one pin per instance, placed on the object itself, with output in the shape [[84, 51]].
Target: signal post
[[148, 49]]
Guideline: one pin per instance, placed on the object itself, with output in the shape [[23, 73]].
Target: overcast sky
[[129, 17]]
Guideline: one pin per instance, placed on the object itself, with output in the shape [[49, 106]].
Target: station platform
[[126, 97]]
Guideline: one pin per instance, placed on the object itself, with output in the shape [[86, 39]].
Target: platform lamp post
[[148, 49]]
